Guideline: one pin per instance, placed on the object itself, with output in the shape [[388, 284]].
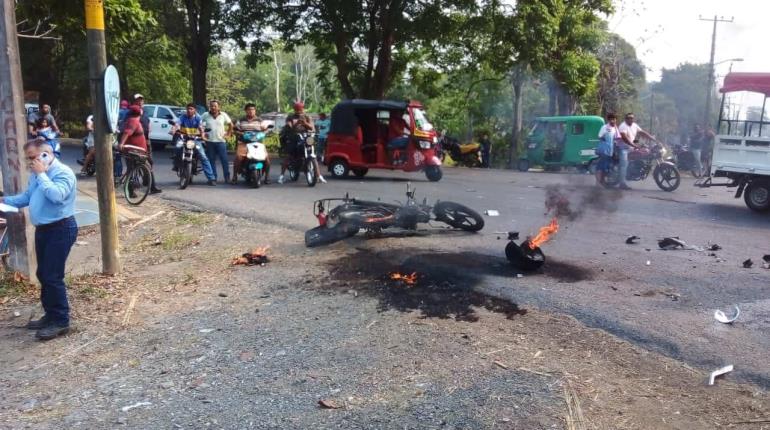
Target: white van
[[159, 126]]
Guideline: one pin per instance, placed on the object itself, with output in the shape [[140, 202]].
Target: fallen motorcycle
[[352, 215]]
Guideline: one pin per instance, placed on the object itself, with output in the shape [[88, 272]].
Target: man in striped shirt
[[250, 122]]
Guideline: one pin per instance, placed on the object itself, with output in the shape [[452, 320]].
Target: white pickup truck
[[742, 148]]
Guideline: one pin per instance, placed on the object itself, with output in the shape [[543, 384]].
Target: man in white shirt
[[218, 127], [629, 130]]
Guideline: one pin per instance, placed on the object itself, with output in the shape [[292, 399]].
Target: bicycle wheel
[[137, 185]]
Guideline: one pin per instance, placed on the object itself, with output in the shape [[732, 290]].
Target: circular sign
[[112, 97]]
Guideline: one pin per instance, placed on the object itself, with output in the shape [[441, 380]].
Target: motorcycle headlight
[[310, 140], [663, 151], [424, 144], [190, 144]]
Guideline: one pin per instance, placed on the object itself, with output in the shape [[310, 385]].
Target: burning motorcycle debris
[[528, 256], [406, 280], [257, 256], [352, 215]]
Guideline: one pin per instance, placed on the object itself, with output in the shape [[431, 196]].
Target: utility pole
[[13, 136], [710, 86], [105, 187]]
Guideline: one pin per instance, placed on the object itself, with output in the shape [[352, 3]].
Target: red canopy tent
[[754, 82]]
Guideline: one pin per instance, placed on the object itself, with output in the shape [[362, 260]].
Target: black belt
[[54, 224]]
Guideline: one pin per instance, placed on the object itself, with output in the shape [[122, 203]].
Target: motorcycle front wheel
[[310, 172], [185, 174], [458, 216], [255, 178], [667, 177]]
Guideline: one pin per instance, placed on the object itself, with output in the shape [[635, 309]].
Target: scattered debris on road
[[748, 264], [669, 243], [491, 212], [134, 406], [329, 404], [257, 256], [647, 263], [207, 330], [714, 247], [720, 372], [632, 240], [724, 319], [499, 364], [766, 259]]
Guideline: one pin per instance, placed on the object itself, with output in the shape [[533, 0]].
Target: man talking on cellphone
[[51, 199]]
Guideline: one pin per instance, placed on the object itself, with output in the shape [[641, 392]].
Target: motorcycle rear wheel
[[667, 177], [458, 216]]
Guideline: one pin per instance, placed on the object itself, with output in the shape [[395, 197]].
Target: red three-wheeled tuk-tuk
[[381, 134]]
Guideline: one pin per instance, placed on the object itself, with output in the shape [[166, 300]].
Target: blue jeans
[[52, 247], [204, 159], [623, 166], [117, 164], [218, 150], [398, 143]]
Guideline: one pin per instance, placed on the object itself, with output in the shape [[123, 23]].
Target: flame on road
[[545, 233], [406, 279]]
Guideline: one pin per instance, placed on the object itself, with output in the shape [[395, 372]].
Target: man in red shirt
[[132, 136], [398, 134]]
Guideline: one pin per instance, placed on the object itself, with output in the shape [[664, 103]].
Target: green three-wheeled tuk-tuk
[[561, 141]]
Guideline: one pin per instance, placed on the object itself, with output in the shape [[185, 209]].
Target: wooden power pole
[[710, 87], [105, 187], [13, 136]]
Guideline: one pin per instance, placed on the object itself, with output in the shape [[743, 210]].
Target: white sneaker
[[321, 178], [280, 179]]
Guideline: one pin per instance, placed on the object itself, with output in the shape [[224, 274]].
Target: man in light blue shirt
[[51, 199]]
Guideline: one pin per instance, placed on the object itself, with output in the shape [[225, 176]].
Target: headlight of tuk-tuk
[[424, 144], [435, 139]]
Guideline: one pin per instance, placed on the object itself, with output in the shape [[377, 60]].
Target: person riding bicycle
[[296, 123], [132, 137], [250, 122], [189, 124]]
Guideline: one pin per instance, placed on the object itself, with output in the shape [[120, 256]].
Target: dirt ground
[[183, 339]]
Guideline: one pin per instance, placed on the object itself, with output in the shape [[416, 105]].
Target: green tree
[[685, 86], [367, 45]]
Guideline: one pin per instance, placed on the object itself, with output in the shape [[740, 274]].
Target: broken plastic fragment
[[720, 372], [491, 212], [747, 264], [632, 240], [671, 243], [724, 319]]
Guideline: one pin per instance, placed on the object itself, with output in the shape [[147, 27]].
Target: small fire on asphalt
[[408, 281]]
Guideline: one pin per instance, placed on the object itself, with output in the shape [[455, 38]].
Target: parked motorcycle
[[253, 169], [304, 159], [685, 160], [352, 215], [644, 160], [465, 154], [187, 162]]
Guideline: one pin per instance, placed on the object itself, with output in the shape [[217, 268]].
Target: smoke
[[571, 203]]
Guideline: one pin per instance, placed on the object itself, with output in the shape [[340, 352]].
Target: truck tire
[[757, 195]]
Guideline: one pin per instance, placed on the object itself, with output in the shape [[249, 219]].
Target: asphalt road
[[666, 305]]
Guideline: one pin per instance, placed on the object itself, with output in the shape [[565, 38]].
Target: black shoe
[[267, 181], [211, 183], [156, 191], [51, 332], [37, 324]]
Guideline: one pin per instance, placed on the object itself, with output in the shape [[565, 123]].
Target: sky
[[668, 32]]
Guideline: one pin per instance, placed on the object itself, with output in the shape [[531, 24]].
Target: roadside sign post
[[13, 136], [103, 82]]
